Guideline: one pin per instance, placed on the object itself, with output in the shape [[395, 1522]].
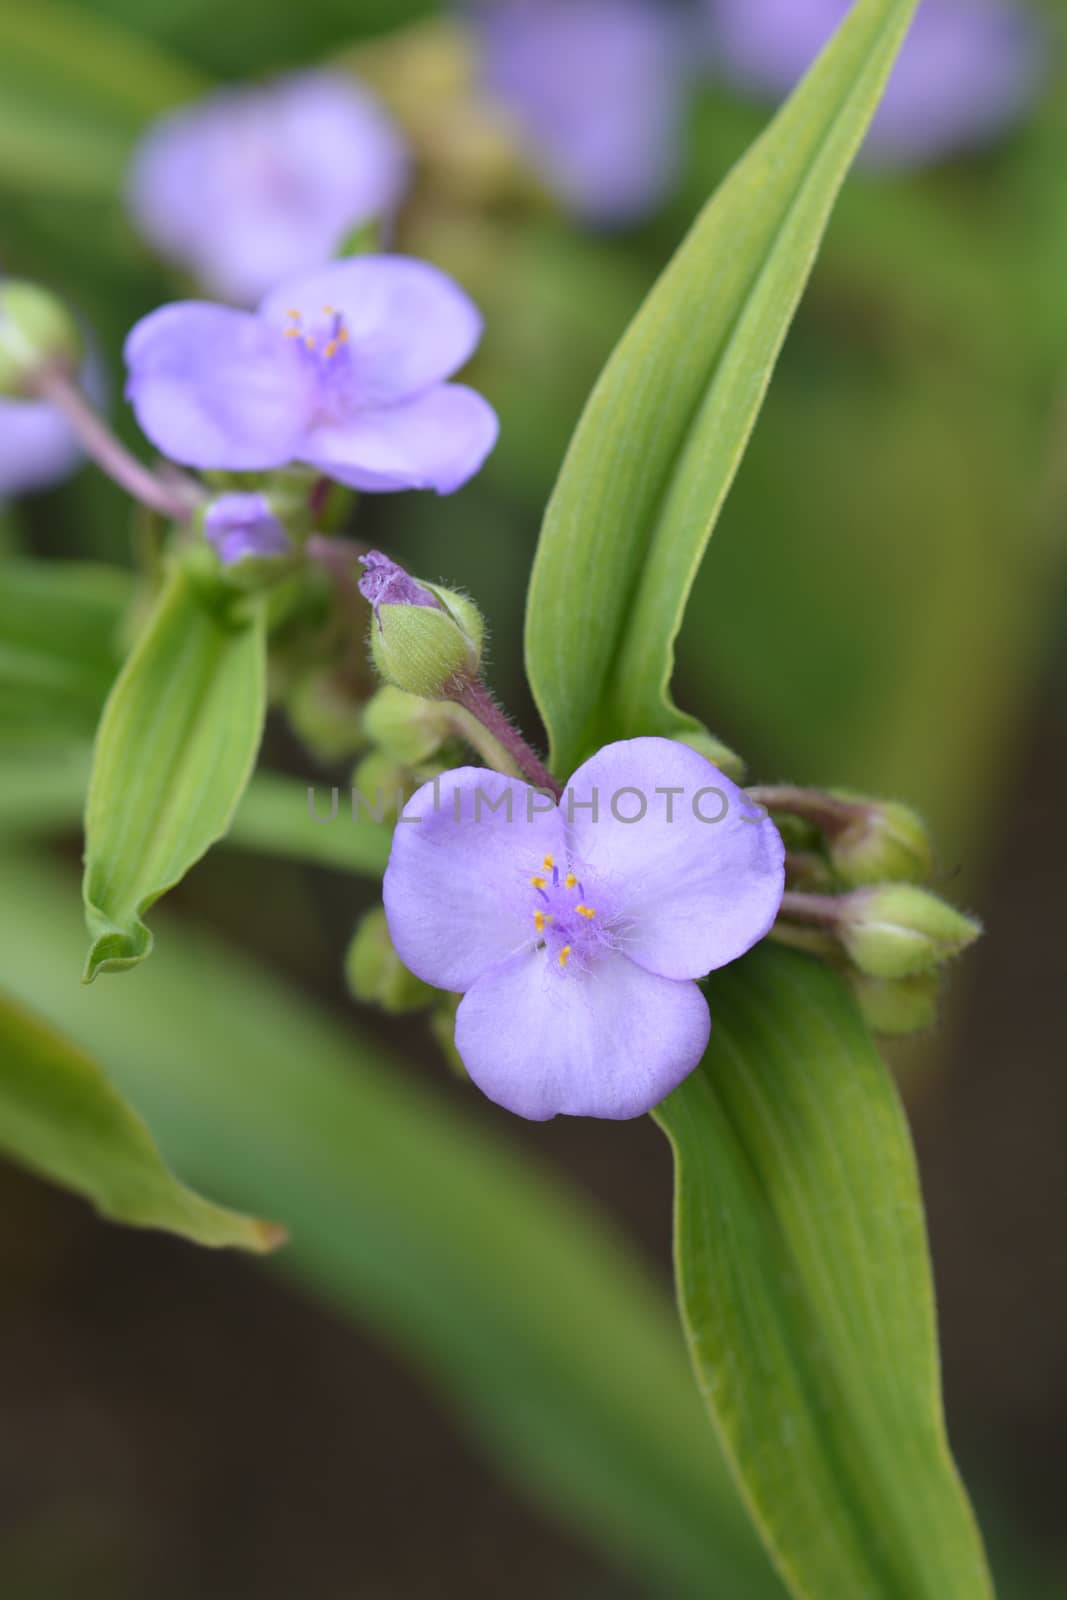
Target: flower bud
[[423, 638], [376, 974], [405, 727], [36, 332], [384, 784], [324, 715], [895, 1007], [882, 842], [247, 535], [899, 931]]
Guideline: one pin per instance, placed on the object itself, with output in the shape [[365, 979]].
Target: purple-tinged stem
[[817, 910], [176, 498], [474, 697], [824, 811]]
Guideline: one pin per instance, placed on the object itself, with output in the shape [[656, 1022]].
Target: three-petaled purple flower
[[253, 185], [965, 71], [595, 88], [575, 931], [343, 370]]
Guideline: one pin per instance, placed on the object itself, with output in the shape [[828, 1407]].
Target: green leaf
[[175, 750], [60, 1118], [805, 1289], [75, 90], [60, 648], [500, 1281], [664, 430]]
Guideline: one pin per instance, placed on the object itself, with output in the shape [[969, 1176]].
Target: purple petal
[[408, 324], [610, 1041], [596, 89], [252, 185], [37, 447], [436, 441], [690, 894], [457, 888], [242, 526], [966, 69], [384, 583], [218, 389]]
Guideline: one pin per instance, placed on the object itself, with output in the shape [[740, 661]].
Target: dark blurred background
[[883, 605]]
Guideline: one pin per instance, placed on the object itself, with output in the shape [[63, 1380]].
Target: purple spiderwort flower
[[37, 447], [343, 370], [384, 583], [595, 88], [253, 185], [242, 526], [967, 69], [574, 931]]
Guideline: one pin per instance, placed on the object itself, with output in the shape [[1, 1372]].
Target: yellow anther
[[292, 333], [570, 881], [550, 862], [564, 953], [539, 921], [586, 911], [309, 342], [538, 883], [331, 349], [294, 316], [342, 337], [327, 311]]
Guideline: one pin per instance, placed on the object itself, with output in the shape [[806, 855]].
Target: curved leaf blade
[[806, 1292], [177, 743], [665, 428], [60, 1118]]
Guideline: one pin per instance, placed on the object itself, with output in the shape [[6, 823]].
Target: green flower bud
[[897, 1007], [385, 784], [405, 727], [375, 973], [324, 716], [883, 842], [36, 332], [423, 638], [900, 931]]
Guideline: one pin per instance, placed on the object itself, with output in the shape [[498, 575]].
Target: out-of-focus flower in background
[[595, 88], [37, 447], [344, 369], [244, 527], [966, 71], [253, 185]]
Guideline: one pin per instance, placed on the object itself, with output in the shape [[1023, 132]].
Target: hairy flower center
[[326, 335], [566, 924]]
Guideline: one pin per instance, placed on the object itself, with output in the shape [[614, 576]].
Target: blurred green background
[[884, 606]]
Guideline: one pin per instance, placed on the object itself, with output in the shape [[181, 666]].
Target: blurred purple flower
[[343, 370], [253, 185], [575, 934], [242, 526], [595, 88], [37, 447], [967, 69]]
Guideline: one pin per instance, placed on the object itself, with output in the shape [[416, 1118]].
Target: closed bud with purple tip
[[900, 931], [424, 639]]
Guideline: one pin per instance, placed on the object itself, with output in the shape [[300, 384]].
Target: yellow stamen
[[550, 862], [342, 337], [538, 883], [564, 953], [539, 921], [294, 316], [327, 311], [331, 349], [292, 333], [570, 881], [586, 911], [309, 342]]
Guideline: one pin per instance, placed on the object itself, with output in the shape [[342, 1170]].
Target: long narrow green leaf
[[805, 1289], [61, 1118], [59, 648], [516, 1298], [665, 428], [176, 747]]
